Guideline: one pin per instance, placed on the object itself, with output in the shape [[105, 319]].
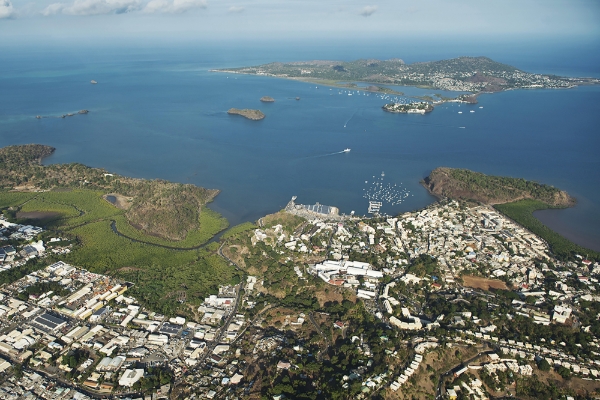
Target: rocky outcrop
[[254, 115]]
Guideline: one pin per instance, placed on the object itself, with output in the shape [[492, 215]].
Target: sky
[[39, 20]]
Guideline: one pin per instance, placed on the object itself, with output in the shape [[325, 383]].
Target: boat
[[93, 82], [472, 111], [460, 112], [346, 151]]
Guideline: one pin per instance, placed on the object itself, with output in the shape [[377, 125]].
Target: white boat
[[346, 151], [93, 82], [460, 112]]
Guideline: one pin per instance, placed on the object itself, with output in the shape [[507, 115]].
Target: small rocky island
[[419, 107], [267, 99], [254, 115], [64, 115]]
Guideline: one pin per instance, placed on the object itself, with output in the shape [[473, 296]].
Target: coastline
[[550, 221]]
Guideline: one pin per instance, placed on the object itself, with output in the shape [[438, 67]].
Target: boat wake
[[329, 154], [352, 116]]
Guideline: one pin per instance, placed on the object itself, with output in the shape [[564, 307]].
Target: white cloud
[[368, 11], [173, 6], [93, 7], [6, 9], [236, 9], [54, 8]]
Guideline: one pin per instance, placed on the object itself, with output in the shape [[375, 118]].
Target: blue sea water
[[161, 113]]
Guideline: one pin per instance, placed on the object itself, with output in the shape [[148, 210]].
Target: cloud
[[368, 11], [236, 9], [54, 8], [93, 7], [6, 9], [174, 6]]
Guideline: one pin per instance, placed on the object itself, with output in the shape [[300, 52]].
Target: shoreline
[[549, 220]]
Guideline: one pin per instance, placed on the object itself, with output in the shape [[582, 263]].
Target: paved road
[[438, 392], [318, 328]]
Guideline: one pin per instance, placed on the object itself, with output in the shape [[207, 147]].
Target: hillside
[[468, 185], [158, 208]]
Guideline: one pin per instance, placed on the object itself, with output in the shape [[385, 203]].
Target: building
[[130, 377], [48, 322]]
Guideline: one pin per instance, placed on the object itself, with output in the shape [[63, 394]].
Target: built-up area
[[480, 256], [69, 333]]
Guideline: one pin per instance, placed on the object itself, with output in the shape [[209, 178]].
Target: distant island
[[465, 74], [267, 99], [419, 107], [254, 115]]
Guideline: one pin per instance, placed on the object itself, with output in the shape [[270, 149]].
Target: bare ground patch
[[332, 294], [38, 215], [118, 200], [479, 282]]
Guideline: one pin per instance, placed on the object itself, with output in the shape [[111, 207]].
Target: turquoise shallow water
[[161, 114]]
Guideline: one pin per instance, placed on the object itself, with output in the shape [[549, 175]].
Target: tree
[[544, 365]]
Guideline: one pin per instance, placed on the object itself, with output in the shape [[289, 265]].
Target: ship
[[93, 82], [346, 151]]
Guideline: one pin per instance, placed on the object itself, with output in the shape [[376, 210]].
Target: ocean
[[158, 112]]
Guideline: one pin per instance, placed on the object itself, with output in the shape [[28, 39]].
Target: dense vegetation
[[563, 249], [468, 185]]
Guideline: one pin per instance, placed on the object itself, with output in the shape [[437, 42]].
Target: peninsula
[[254, 115], [466, 74], [463, 184]]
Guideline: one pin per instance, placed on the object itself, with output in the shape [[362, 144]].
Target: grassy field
[[12, 199], [161, 275], [522, 212], [235, 230], [211, 223]]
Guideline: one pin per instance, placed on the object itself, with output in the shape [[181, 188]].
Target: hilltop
[[470, 74], [158, 208], [464, 184]]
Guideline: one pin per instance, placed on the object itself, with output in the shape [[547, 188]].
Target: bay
[[161, 113]]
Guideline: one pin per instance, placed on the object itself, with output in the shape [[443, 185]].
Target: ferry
[[346, 151]]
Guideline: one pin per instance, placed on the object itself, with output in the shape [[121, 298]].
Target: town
[[452, 301]]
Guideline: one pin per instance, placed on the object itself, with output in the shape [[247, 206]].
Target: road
[[318, 328], [438, 392], [222, 330]]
